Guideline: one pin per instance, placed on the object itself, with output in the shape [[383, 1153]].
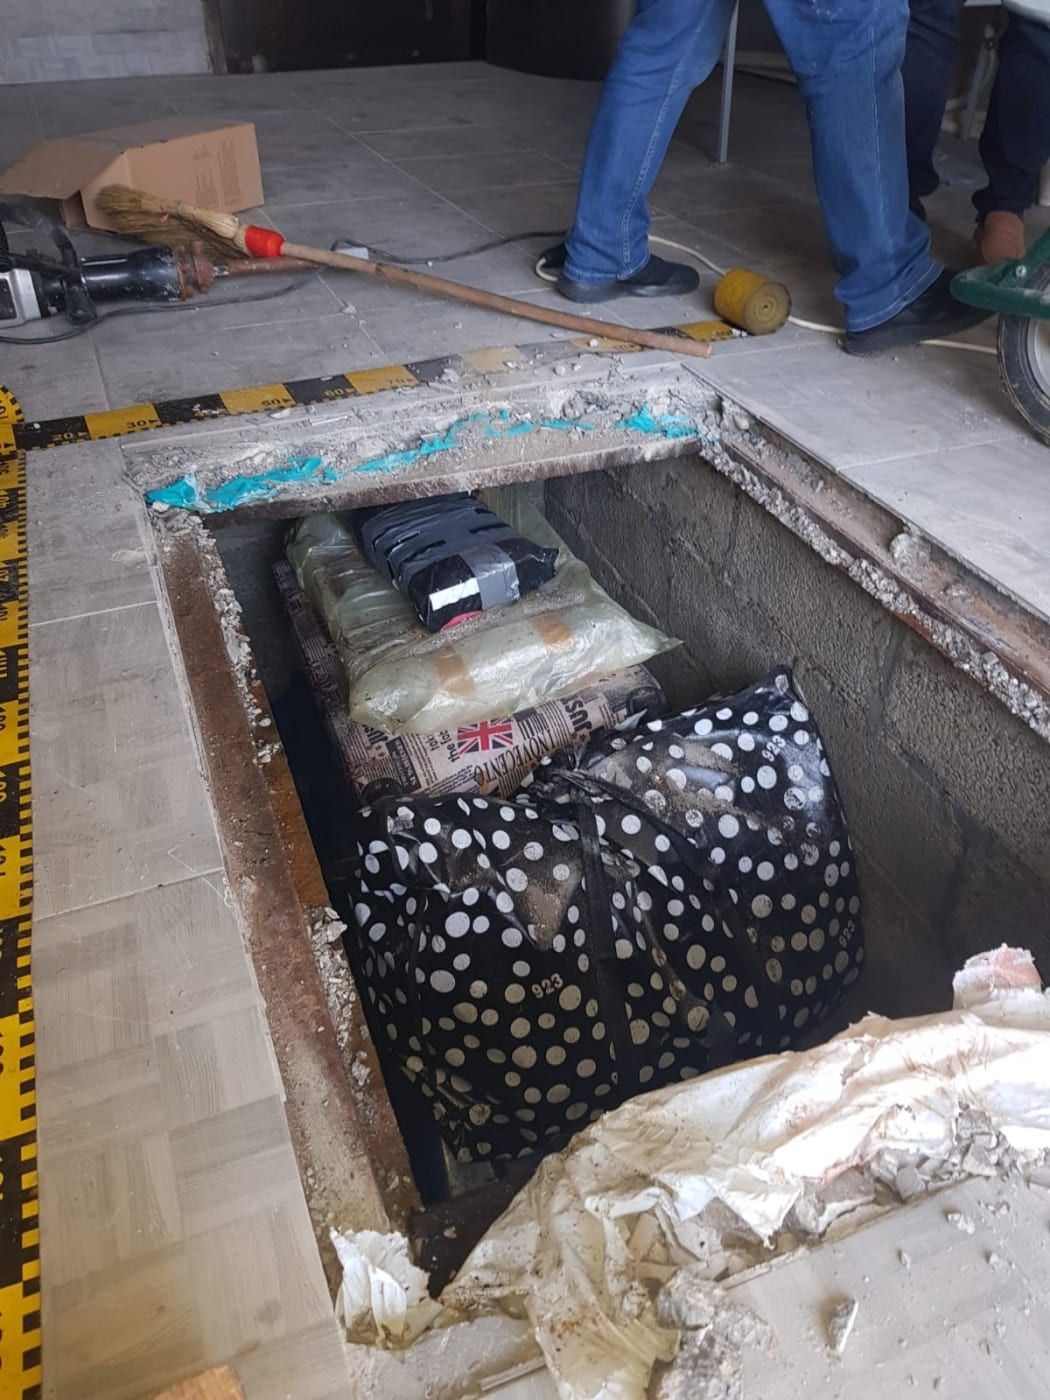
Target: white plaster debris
[[326, 931], [906, 548], [962, 1222], [702, 1176], [714, 1332], [231, 620], [841, 1320], [909, 1183], [820, 1206], [999, 970]]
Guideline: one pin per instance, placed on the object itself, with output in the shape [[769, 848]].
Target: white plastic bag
[[402, 678], [383, 1297], [571, 1248]]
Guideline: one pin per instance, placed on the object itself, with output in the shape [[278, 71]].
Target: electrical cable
[[154, 307], [383, 255], [548, 276]]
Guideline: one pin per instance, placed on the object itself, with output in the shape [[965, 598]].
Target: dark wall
[[295, 34], [556, 38]]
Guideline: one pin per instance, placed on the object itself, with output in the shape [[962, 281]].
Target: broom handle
[[268, 243], [425, 281]]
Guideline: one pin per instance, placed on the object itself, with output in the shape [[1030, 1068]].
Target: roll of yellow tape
[[750, 301]]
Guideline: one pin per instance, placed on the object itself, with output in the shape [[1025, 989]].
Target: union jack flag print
[[484, 737]]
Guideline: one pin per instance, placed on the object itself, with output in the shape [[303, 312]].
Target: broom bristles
[[155, 220]]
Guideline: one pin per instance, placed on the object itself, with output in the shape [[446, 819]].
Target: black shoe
[[931, 316], [658, 278], [553, 260]]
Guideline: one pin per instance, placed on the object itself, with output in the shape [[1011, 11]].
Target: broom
[[156, 220]]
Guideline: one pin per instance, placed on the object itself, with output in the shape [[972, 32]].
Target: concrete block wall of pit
[[945, 790]]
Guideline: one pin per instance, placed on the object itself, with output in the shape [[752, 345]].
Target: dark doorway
[[281, 35]]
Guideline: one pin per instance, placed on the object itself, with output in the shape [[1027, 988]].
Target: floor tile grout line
[[423, 186], [132, 894], [279, 204], [1006, 434], [95, 612]]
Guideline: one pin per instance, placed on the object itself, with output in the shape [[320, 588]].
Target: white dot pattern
[[554, 994]]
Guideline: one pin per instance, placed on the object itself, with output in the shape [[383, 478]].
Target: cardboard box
[[174, 157]]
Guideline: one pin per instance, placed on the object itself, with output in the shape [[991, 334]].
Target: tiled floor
[[429, 160], [175, 1233]]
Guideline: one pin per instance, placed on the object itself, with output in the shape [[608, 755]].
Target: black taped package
[[451, 556], [653, 905]]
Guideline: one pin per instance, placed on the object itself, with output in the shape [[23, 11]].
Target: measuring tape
[[19, 1226], [16, 435]]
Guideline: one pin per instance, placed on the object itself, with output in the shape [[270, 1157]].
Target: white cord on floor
[[694, 253]]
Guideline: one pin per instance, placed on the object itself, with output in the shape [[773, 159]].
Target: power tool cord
[[148, 308]]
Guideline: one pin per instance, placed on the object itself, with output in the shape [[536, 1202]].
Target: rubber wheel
[[1024, 364]]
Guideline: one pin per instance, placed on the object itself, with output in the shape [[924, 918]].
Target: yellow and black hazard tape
[[19, 1225], [262, 398]]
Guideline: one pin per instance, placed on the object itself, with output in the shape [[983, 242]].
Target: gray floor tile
[[415, 224], [406, 104], [508, 271], [20, 131], [232, 1164], [294, 137], [53, 381], [420, 330], [948, 495], [850, 412], [200, 362], [516, 208], [74, 113], [241, 103], [185, 945], [565, 140], [119, 803], [712, 245], [87, 552], [762, 233], [446, 141], [104, 1324], [349, 172], [482, 171], [720, 190]]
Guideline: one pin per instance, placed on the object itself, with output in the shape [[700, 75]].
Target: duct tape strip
[[19, 1224], [402, 540], [270, 398]]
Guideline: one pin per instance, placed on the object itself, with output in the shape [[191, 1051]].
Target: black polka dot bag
[[657, 903]]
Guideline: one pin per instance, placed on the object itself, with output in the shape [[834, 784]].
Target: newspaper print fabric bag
[[660, 902]]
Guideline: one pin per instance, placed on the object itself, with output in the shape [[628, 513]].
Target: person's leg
[[1015, 144], [847, 55], [928, 68], [669, 48]]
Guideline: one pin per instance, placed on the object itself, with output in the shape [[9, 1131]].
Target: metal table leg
[[728, 67]]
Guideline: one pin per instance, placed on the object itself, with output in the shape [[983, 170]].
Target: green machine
[[1019, 291]]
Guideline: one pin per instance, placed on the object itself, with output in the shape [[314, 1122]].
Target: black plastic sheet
[[659, 902]]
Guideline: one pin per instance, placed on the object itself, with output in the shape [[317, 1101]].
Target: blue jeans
[[1015, 143], [846, 56]]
